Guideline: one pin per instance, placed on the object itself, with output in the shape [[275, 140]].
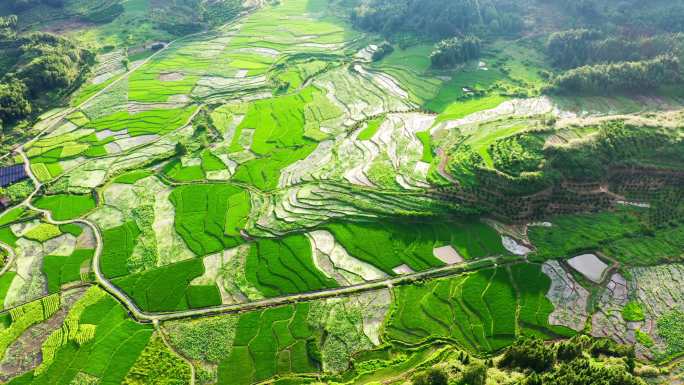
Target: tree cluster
[[616, 143], [517, 154], [570, 362], [438, 18], [383, 50], [451, 52], [579, 47], [22, 5], [529, 353], [583, 372], [43, 65], [632, 16], [431, 377], [617, 77], [8, 27]]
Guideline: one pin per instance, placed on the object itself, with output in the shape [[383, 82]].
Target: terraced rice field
[[389, 245], [271, 159], [268, 343], [483, 311], [278, 267], [206, 217]]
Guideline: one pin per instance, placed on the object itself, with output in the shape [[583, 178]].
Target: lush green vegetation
[[286, 266], [627, 76], [108, 355], [633, 312], [119, 243], [61, 270], [388, 245], [624, 234], [168, 288], [245, 161], [576, 361], [268, 343], [208, 339], [482, 311], [132, 177], [38, 68], [671, 331], [64, 206], [283, 128], [436, 18], [157, 364], [454, 51], [371, 128], [207, 216]]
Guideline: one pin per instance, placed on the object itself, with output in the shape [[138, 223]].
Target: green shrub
[[157, 364], [431, 377], [610, 348], [633, 312], [475, 374], [206, 339], [671, 330]]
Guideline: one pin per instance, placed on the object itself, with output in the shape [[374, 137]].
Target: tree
[[627, 76], [14, 104], [474, 375], [454, 51], [579, 47], [383, 50], [437, 18], [41, 64], [529, 353], [431, 377], [8, 27]]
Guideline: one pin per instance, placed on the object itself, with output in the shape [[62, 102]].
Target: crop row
[[269, 343], [482, 311]]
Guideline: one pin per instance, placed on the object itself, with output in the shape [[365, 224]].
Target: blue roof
[[12, 174]]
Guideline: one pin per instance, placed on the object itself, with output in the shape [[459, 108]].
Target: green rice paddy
[[207, 216], [391, 244], [482, 311], [65, 206], [268, 343], [279, 267], [249, 131]]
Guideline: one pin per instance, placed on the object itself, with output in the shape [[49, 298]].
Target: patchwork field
[[319, 191]]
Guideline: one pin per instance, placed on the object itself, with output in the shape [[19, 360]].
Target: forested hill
[[446, 18], [35, 69], [438, 18]]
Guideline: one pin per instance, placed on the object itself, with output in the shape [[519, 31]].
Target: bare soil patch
[[171, 77]]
